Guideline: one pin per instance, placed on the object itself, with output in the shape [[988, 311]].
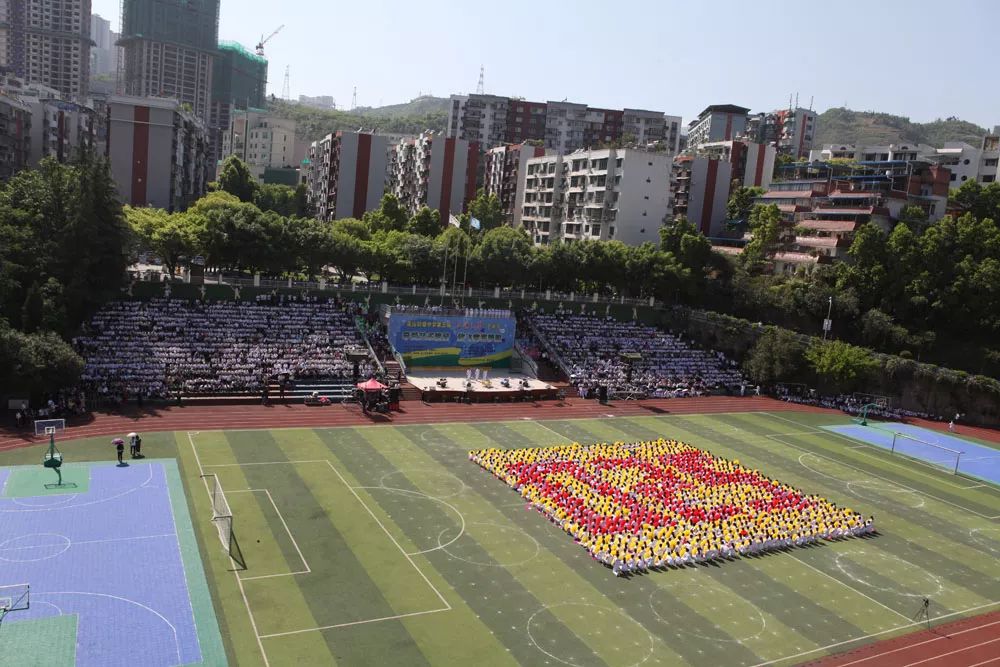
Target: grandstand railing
[[417, 290], [526, 360], [359, 324], [553, 355]]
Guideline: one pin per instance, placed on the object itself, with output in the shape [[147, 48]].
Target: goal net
[[883, 402], [47, 426], [929, 452], [14, 597], [222, 517]]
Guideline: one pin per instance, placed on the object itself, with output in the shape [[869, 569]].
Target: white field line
[[874, 634], [879, 453], [447, 606], [909, 646], [550, 430], [885, 479], [345, 625], [305, 563], [848, 586], [239, 583]]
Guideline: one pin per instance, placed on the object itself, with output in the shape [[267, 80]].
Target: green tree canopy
[[777, 356], [237, 179], [840, 365]]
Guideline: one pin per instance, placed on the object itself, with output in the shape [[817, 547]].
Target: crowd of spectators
[[852, 404], [165, 347], [591, 349]]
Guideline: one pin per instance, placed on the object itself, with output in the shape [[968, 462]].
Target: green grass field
[[385, 545]]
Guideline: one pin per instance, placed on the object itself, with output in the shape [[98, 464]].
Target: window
[[965, 161], [989, 178], [953, 176], [990, 162], [965, 178]]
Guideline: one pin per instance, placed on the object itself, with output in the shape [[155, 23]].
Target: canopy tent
[[371, 385]]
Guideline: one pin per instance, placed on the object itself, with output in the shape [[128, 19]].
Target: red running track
[[276, 415], [971, 642]]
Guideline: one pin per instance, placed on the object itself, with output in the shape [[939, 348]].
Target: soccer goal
[[49, 426], [14, 597], [922, 450], [222, 517]]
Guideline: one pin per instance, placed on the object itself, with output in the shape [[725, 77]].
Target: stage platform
[[482, 390]]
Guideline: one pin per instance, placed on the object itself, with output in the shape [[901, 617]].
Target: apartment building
[[48, 42], [261, 140], [702, 183], [718, 122], [435, 171], [15, 135], [104, 50], [345, 174], [168, 49], [318, 101], [823, 204], [604, 194], [564, 126], [504, 167], [790, 130], [55, 127], [158, 152]]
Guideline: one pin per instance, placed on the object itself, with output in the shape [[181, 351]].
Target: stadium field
[[386, 545]]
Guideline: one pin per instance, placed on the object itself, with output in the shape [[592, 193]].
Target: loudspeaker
[[602, 394]]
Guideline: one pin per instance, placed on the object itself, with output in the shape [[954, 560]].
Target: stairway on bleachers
[[336, 390]]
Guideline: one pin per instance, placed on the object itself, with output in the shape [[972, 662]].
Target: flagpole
[[465, 276], [444, 274]]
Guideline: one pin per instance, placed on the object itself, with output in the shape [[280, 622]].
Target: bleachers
[[230, 351], [592, 349]]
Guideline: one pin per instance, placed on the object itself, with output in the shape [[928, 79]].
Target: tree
[[775, 357], [389, 216], [842, 365], [36, 362], [281, 199], [359, 229], [236, 179], [62, 222], [503, 256], [426, 222], [741, 202], [171, 236], [764, 223], [487, 210], [978, 200]]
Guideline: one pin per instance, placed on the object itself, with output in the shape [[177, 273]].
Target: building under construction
[[239, 81], [169, 47]]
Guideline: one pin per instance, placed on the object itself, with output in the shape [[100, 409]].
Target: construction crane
[[265, 40]]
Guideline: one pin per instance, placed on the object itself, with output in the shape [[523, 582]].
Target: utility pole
[[828, 323], [354, 99]]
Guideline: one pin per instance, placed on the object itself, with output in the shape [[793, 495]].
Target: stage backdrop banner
[[439, 340]]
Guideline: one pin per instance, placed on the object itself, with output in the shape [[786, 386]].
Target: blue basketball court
[[934, 447], [113, 568]]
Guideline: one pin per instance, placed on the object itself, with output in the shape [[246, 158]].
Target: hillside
[[423, 113], [419, 106], [840, 125]]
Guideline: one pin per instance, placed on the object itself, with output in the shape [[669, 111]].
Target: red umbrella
[[371, 385]]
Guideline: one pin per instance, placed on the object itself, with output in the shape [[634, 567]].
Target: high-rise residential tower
[[169, 48], [47, 42]]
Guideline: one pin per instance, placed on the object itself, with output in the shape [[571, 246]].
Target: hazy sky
[[921, 58]]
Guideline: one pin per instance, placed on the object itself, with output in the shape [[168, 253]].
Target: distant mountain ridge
[[837, 125], [845, 126], [413, 117]]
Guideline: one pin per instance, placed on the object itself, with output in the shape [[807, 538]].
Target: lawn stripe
[[894, 550], [491, 600], [929, 479], [340, 587], [564, 572], [934, 522], [863, 614], [709, 590], [216, 446], [431, 633]]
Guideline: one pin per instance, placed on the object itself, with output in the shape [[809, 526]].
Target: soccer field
[[386, 545]]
